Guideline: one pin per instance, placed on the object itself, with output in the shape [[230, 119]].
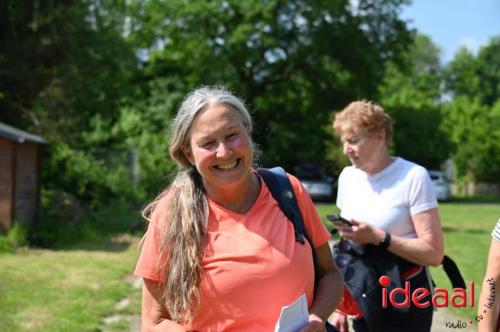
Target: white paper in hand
[[294, 316]]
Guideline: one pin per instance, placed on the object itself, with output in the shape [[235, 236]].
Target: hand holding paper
[[293, 317]]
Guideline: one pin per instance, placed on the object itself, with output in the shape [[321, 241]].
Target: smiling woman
[[219, 254]]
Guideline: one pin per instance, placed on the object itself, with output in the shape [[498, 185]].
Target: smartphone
[[338, 220]]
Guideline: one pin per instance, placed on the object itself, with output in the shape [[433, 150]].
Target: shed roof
[[18, 135]]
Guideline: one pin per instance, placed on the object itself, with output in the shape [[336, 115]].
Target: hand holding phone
[[338, 220]]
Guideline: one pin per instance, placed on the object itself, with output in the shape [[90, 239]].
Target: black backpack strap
[[281, 189], [453, 273]]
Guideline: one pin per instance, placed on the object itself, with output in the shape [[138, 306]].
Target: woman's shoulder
[[411, 167], [349, 171], [157, 209]]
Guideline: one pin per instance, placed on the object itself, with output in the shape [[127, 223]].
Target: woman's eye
[[353, 140], [230, 136], [207, 144]]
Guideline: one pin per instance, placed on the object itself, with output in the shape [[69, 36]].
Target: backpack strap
[[281, 189], [453, 273]]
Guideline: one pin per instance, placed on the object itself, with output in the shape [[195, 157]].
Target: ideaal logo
[[441, 297]]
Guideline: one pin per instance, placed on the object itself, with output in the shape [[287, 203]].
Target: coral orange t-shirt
[[253, 265]]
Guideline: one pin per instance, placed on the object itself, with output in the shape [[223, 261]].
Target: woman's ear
[[189, 155], [382, 135]]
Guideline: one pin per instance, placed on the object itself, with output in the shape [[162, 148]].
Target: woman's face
[[220, 148], [364, 150]]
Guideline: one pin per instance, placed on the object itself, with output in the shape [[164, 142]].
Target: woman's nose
[[346, 148], [223, 150]]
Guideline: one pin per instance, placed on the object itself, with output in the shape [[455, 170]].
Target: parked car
[[317, 183], [441, 185]]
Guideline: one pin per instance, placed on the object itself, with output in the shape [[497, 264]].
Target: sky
[[455, 23]]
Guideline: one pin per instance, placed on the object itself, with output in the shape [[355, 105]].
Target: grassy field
[[67, 290], [467, 225], [75, 289]]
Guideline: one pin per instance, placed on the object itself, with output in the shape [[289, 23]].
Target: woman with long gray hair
[[219, 254]]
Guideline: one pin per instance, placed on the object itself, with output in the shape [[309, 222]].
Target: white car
[[313, 178], [441, 185], [319, 189]]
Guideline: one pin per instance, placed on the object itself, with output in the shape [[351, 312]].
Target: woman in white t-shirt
[[392, 206], [488, 309]]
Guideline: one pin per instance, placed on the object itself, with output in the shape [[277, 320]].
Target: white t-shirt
[[387, 199]]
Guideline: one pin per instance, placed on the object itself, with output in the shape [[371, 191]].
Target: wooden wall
[[19, 182], [6, 183], [26, 182]]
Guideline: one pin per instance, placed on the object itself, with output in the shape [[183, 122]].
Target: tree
[[475, 131], [489, 71], [62, 62], [472, 117], [293, 62], [411, 95]]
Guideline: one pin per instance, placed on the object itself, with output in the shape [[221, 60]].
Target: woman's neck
[[379, 164], [239, 199]]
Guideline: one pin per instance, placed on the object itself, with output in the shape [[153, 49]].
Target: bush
[[5, 245], [64, 220], [16, 237]]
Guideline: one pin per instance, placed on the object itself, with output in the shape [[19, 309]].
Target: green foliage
[[293, 62], [64, 221], [5, 245], [16, 237], [461, 78], [411, 96], [474, 129], [473, 115], [66, 61], [489, 71]]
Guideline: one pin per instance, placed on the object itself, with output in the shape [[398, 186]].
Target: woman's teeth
[[227, 166]]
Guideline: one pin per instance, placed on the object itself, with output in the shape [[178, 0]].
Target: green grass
[[65, 290], [467, 225]]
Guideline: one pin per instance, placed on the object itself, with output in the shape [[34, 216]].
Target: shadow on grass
[[117, 243], [473, 200], [448, 229]]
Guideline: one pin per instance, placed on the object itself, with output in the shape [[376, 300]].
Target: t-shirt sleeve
[[340, 190], [147, 264], [314, 225], [422, 196], [496, 231]]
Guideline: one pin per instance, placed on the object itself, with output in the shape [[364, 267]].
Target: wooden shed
[[20, 172]]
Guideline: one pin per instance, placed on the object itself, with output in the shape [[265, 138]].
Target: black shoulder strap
[[281, 189], [453, 273]]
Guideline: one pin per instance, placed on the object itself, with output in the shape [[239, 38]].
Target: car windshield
[[309, 171]]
